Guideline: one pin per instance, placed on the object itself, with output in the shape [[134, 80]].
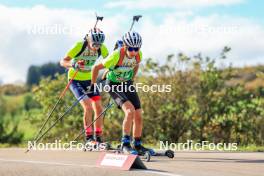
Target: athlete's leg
[[137, 120], [78, 89], [121, 100], [87, 117], [98, 125], [129, 111], [138, 124]]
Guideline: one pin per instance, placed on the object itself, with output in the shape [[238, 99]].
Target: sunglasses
[[132, 49]]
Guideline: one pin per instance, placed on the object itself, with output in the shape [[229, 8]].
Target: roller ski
[[167, 153], [127, 149], [147, 153], [143, 152]]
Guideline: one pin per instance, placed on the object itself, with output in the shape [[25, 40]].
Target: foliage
[[206, 102], [35, 73]]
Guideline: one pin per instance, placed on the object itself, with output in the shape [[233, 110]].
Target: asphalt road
[[14, 162]]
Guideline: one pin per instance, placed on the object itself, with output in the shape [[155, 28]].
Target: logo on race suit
[[88, 52], [129, 62], [89, 57]]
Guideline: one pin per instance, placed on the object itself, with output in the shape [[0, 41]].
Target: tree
[[35, 73]]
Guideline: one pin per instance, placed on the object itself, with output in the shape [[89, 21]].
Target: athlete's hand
[[78, 64]]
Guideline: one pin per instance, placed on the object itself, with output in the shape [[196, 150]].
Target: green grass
[[251, 148], [28, 129], [17, 99], [15, 104], [24, 145]]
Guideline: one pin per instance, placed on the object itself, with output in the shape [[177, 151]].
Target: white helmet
[[132, 39], [96, 35]]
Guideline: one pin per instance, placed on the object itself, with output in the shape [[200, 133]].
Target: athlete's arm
[[104, 75], [135, 71], [95, 71], [66, 62], [137, 66], [109, 62]]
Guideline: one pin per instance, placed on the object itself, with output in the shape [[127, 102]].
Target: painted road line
[[82, 165]]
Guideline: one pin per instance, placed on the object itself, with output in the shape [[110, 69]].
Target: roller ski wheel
[[142, 150], [118, 152], [169, 153], [146, 157], [104, 146], [89, 145], [84, 149]]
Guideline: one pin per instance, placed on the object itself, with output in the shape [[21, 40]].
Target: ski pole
[[98, 18], [83, 131], [109, 100], [135, 18], [56, 104], [57, 120]]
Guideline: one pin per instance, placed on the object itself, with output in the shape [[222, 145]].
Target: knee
[[87, 108], [130, 111]]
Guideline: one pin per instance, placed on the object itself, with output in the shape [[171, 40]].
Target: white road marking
[[47, 163], [160, 173], [81, 165]]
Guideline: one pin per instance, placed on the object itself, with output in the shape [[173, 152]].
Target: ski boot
[[102, 146], [90, 144], [144, 153], [137, 145], [127, 149], [125, 146]]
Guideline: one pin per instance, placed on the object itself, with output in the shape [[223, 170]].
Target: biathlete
[[122, 67], [80, 58]]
